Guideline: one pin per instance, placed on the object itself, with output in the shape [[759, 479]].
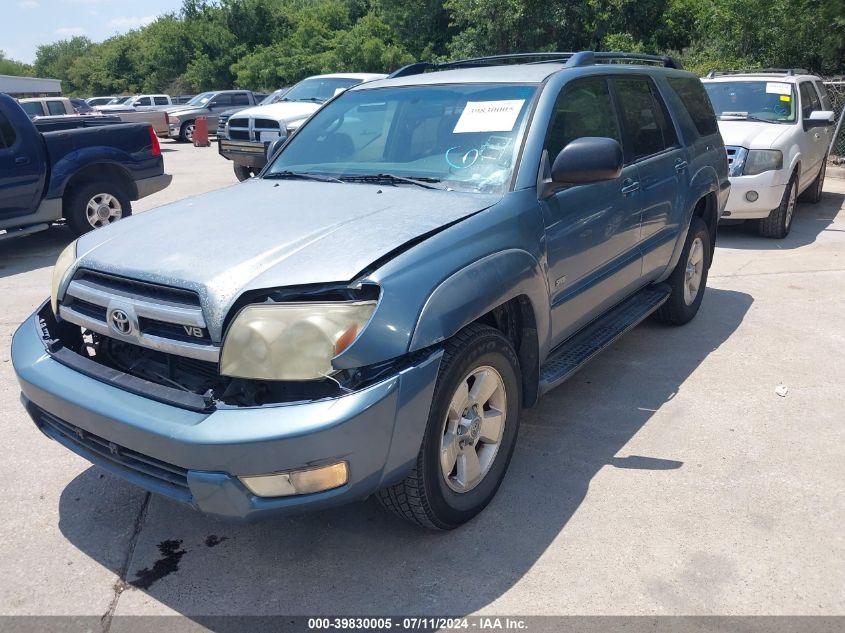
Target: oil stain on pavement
[[164, 566]]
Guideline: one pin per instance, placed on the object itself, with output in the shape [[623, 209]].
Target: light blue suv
[[423, 258]]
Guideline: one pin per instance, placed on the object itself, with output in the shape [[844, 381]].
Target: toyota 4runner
[[777, 127], [427, 255]]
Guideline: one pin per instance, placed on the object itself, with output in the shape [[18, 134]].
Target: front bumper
[[769, 186], [249, 153], [195, 457], [149, 186]]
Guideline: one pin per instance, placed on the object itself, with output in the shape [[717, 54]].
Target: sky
[[36, 22]]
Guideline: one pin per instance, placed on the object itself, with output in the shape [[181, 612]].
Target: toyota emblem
[[120, 322]]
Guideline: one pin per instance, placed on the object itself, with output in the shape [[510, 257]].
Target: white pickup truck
[[777, 127], [140, 103]]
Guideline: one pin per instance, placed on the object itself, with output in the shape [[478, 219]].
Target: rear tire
[[242, 172], [689, 279], [470, 435], [777, 225], [813, 193], [96, 204]]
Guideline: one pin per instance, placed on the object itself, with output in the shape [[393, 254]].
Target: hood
[[752, 134], [268, 234], [283, 110]]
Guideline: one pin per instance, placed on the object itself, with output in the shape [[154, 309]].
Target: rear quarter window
[[694, 98]]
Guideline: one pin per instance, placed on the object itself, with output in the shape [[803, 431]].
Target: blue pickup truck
[[424, 257], [86, 175]]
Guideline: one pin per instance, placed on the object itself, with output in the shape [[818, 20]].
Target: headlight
[[760, 160], [64, 261], [291, 341]]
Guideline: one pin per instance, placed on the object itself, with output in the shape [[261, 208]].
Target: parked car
[[777, 128], [119, 100], [249, 135], [87, 175], [140, 102], [97, 101], [223, 117], [47, 106], [425, 256], [208, 104]]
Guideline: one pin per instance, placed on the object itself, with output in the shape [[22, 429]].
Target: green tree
[[55, 60], [10, 66]]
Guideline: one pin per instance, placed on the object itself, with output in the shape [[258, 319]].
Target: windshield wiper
[[392, 179], [304, 175], [746, 116]]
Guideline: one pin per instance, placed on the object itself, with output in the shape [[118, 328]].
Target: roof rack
[[570, 60], [757, 71]]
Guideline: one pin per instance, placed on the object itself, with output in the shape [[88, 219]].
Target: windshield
[[118, 100], [463, 136], [201, 99], [767, 100], [273, 97], [319, 90]]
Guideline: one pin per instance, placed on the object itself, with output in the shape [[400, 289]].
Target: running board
[[584, 345]]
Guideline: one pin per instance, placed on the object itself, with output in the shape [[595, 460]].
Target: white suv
[[777, 127]]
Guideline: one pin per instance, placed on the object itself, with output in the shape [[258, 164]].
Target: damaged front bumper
[[195, 456]]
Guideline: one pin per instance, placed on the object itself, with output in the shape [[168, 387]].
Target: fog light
[[751, 196], [298, 482]]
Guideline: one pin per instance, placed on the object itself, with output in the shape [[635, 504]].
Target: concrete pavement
[[666, 478]]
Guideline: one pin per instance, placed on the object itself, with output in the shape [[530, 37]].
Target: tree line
[[265, 44]]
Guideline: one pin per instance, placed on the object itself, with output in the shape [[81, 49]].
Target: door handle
[[630, 186], [680, 165], [22, 160]]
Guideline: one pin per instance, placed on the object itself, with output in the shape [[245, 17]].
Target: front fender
[[478, 288]]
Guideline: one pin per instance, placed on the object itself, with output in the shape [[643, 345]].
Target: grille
[[239, 123], [221, 125], [736, 159], [266, 124], [173, 478], [239, 135], [157, 317]]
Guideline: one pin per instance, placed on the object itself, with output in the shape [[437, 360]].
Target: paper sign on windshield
[[489, 116], [776, 88]]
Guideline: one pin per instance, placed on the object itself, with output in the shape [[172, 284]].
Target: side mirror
[[588, 159], [275, 147], [820, 118]]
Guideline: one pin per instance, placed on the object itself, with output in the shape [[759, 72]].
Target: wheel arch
[[505, 290], [102, 171]]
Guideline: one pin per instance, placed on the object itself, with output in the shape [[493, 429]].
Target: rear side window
[[692, 94], [809, 99], [144, 101], [55, 107], [584, 108], [33, 108], [161, 100], [7, 132], [240, 99], [648, 129]]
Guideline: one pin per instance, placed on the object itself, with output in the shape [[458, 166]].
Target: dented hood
[[270, 233]]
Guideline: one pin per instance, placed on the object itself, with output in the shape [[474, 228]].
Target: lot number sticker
[[489, 116], [775, 88]]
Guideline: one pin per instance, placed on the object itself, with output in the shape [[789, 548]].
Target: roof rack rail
[[570, 59], [758, 71]]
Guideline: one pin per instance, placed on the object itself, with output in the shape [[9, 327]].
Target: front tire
[[779, 221], [242, 172], [470, 435], [689, 279], [95, 205], [186, 132]]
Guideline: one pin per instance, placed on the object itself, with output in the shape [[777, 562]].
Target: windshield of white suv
[[462, 137], [770, 101], [200, 99], [319, 90]]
